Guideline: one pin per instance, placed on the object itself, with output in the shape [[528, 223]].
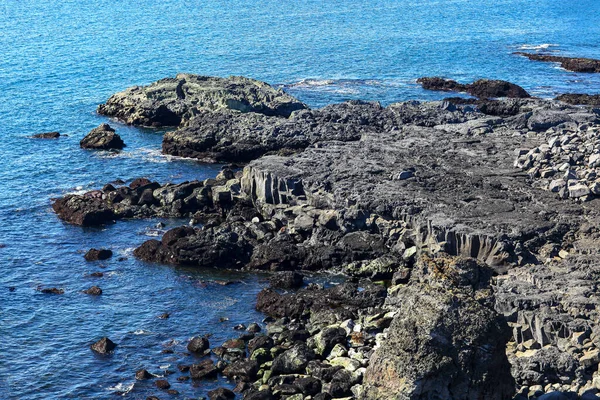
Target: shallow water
[[58, 60]]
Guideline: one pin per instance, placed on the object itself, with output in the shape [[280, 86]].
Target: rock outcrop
[[483, 88], [102, 138], [46, 135], [170, 101], [574, 64], [580, 99]]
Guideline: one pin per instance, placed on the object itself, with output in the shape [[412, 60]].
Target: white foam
[[141, 332], [122, 387], [542, 46]]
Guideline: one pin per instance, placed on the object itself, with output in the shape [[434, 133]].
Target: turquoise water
[[58, 60]]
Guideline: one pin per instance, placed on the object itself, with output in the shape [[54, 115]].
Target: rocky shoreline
[[468, 233]]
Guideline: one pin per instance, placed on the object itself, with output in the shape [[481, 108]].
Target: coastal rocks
[[144, 199], [483, 88], [569, 63], [170, 101], [46, 135], [98, 254], [51, 290], [221, 394], [286, 280], [198, 345], [143, 374], [568, 163], [83, 210], [102, 138], [103, 346], [580, 99]]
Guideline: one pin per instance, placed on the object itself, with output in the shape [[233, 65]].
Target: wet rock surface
[[580, 99], [102, 138], [170, 101], [574, 64], [483, 88]]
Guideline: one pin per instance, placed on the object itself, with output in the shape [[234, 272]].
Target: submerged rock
[[94, 291], [102, 138], [103, 346], [170, 101], [198, 344]]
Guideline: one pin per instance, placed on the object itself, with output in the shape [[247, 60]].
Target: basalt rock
[[170, 101], [102, 138], [93, 291], [443, 342], [47, 135], [580, 99], [103, 346], [98, 254], [483, 88], [574, 64]]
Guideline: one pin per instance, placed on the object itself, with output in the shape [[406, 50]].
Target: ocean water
[[60, 59]]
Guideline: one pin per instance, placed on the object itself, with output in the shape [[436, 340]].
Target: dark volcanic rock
[[142, 374], [103, 346], [170, 101], [198, 344], [94, 291], [204, 369], [98, 254], [347, 296], [102, 138], [221, 394], [580, 99], [286, 280], [52, 291], [162, 384], [47, 135], [569, 63], [82, 210], [244, 370], [483, 88]]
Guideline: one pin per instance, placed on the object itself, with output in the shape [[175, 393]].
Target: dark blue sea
[[60, 59]]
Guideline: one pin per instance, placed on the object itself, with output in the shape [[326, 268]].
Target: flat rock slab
[[170, 101]]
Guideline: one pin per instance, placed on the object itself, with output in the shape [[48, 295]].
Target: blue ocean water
[[60, 59]]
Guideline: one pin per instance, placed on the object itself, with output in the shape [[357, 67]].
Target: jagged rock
[[569, 63], [244, 370], [483, 88], [47, 135], [102, 138], [103, 346], [84, 211], [442, 343], [204, 369], [142, 374], [170, 101]]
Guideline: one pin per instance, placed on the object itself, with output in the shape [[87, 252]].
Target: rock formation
[[574, 64], [102, 138], [491, 271], [170, 101], [483, 88]]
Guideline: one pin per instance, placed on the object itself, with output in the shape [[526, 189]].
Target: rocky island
[[468, 233]]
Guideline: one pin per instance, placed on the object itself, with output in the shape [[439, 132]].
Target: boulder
[[293, 361], [98, 254], [221, 394], [102, 138], [103, 346], [580, 99], [93, 291], [198, 345], [83, 211], [203, 369], [286, 280], [244, 370]]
